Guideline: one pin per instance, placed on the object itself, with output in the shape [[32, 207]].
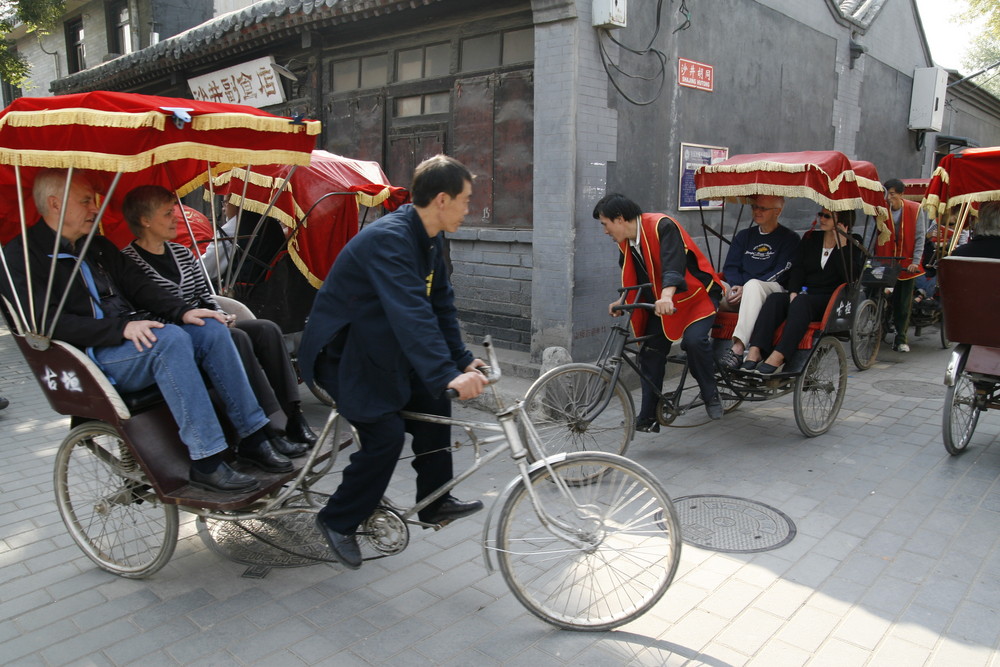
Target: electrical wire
[[613, 70]]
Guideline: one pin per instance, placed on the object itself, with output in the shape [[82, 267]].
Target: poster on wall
[[692, 157]]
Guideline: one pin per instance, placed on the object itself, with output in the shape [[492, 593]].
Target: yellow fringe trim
[[293, 252], [261, 207], [159, 155], [373, 200], [82, 116], [228, 121], [736, 193]]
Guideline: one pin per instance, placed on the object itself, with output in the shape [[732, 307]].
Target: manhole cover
[[732, 525], [910, 388], [247, 541]]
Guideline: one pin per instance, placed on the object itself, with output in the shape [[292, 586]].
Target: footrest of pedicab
[[192, 496]]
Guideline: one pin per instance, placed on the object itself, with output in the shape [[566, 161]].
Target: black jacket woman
[[824, 261]]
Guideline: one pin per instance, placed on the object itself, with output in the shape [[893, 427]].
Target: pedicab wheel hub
[[384, 531]]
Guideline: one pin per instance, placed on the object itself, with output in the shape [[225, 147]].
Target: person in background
[[903, 236], [985, 240]]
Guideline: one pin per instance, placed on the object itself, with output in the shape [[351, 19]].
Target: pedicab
[[587, 406], [581, 552], [122, 471], [968, 300]]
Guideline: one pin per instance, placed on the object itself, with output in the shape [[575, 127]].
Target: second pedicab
[[588, 405], [959, 184]]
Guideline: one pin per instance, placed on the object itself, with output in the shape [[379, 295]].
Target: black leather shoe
[[3, 402], [449, 509], [292, 450], [647, 426], [224, 479], [714, 408], [344, 547], [264, 457], [297, 430]]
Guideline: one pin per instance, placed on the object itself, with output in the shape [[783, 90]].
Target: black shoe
[[449, 509], [344, 547], [3, 402], [749, 365], [647, 426], [768, 369], [264, 457], [285, 447], [731, 360], [297, 430], [224, 480], [714, 408]]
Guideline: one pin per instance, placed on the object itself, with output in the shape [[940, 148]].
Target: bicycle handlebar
[[634, 306], [491, 370], [622, 290]]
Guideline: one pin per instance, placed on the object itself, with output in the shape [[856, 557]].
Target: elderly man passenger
[[756, 266]]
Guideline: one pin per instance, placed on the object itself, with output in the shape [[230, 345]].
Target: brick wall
[[491, 274]]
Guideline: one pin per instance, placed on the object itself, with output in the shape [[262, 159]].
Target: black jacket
[[844, 265], [122, 286]]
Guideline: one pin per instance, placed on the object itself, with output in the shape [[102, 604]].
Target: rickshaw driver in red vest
[[902, 236], [686, 293]]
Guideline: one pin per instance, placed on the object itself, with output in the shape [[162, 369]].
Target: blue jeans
[[173, 364]]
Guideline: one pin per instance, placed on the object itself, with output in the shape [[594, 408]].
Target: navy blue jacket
[[385, 314]]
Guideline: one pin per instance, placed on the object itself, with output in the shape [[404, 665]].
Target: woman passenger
[[149, 212], [824, 261]]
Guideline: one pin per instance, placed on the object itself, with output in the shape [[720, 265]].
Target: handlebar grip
[[451, 394]]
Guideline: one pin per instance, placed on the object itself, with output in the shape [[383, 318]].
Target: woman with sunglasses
[[825, 260]]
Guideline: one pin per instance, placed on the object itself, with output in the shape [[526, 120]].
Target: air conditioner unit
[[930, 84], [610, 13]]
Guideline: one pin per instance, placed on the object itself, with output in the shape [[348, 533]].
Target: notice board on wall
[[692, 157]]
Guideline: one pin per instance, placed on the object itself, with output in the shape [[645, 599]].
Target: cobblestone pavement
[[894, 560]]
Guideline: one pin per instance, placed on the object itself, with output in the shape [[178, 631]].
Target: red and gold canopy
[[971, 176], [148, 139], [330, 190], [828, 178]]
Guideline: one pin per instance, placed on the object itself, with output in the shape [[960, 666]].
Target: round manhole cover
[[732, 525], [248, 541], [910, 389]]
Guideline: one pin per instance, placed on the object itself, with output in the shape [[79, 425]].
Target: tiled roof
[[240, 30]]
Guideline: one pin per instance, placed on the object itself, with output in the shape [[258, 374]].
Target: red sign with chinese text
[[695, 75]]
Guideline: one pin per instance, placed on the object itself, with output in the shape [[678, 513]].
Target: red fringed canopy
[[968, 177], [825, 177], [332, 220]]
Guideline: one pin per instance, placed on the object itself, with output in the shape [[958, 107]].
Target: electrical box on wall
[[610, 13], [930, 84]]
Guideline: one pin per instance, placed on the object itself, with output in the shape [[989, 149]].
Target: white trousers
[[754, 293]]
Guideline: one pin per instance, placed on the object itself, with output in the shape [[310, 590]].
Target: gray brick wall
[[492, 277]]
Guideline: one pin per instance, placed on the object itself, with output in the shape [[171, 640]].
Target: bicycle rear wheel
[[108, 505], [630, 531], [560, 404]]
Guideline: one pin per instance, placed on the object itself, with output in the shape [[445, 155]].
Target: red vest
[[900, 242], [692, 305]]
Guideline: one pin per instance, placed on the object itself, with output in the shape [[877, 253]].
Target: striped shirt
[[192, 286]]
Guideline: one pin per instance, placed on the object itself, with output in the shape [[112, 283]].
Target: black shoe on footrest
[[286, 447], [223, 480], [264, 457], [448, 509]]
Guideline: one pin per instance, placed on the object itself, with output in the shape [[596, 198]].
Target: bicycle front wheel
[[561, 405], [613, 555], [866, 335]]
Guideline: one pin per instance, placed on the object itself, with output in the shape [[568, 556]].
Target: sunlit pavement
[[894, 559]]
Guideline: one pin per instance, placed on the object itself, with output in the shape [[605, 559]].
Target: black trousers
[[652, 361], [367, 476], [797, 315], [262, 351]]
